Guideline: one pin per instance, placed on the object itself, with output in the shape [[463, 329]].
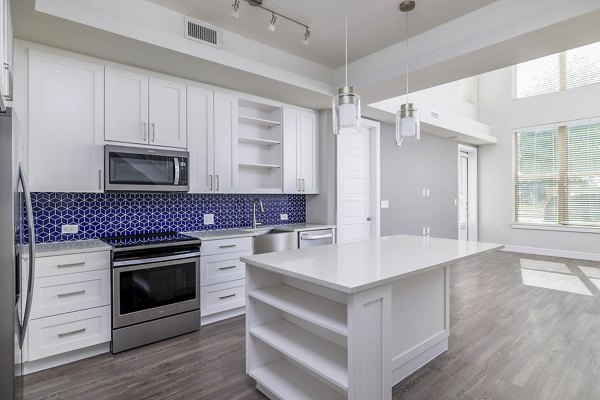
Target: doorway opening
[[467, 193]]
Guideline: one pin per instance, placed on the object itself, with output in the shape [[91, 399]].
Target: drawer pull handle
[[60, 335], [71, 294], [226, 297], [79, 264], [226, 246], [231, 266]]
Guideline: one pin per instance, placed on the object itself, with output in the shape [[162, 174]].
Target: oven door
[[140, 169], [150, 291]]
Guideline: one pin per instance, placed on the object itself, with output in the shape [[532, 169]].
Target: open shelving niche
[[297, 338], [260, 154]]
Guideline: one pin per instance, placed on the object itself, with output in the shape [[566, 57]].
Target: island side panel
[[369, 329], [420, 321]]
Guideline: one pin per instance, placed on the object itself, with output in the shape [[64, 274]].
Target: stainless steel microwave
[[137, 169]]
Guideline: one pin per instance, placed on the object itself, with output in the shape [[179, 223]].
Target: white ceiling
[[372, 24]]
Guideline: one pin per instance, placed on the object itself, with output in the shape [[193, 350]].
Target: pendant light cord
[[346, 27], [406, 55]]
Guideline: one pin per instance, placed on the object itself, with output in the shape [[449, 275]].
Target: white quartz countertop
[[356, 266], [248, 232], [62, 248]]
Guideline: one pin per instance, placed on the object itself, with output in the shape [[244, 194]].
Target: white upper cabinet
[[145, 110], [6, 50], [167, 113], [66, 124], [200, 139], [225, 143], [126, 106], [300, 151]]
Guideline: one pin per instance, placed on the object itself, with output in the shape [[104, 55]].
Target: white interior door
[[463, 196], [354, 174]]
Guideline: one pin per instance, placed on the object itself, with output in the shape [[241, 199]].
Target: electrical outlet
[[424, 231], [424, 193], [209, 219], [427, 192], [69, 229], [385, 204], [283, 217], [428, 230]]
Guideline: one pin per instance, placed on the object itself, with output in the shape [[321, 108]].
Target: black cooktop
[[149, 239]]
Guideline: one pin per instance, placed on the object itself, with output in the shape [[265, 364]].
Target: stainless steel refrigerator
[[15, 294]]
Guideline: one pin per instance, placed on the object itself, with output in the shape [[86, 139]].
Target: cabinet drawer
[[226, 246], [62, 333], [221, 268], [54, 295], [70, 263], [222, 297]]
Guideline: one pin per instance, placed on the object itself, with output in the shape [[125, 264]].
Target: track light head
[[306, 39], [236, 9], [272, 23]]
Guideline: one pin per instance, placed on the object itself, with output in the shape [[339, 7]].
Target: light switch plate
[[69, 229], [209, 219], [385, 204], [283, 217]]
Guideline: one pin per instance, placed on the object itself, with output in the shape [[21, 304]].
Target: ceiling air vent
[[201, 32]]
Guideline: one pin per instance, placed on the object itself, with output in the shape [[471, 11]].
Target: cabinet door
[[200, 139], [66, 124], [167, 113], [6, 43], [291, 134], [308, 152], [126, 106], [225, 142]]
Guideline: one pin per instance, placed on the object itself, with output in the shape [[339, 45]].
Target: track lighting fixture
[[274, 14]]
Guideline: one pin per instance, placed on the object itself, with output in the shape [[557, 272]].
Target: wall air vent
[[201, 32]]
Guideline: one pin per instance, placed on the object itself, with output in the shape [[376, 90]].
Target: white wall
[[496, 193], [458, 97]]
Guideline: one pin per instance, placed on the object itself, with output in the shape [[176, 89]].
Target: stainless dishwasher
[[315, 238]]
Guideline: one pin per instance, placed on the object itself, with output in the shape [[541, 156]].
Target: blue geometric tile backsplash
[[116, 214]]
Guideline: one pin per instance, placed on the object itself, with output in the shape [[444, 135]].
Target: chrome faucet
[[262, 210]]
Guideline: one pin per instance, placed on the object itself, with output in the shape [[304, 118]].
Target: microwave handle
[[176, 162]]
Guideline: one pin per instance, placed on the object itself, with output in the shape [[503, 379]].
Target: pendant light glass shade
[[346, 111], [345, 107], [408, 127]]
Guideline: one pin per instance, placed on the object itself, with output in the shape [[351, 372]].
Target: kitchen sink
[[269, 240]]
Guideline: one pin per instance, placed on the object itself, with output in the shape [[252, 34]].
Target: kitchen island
[[349, 320]]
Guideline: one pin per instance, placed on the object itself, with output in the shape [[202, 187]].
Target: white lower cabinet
[[70, 308], [222, 278], [67, 332]]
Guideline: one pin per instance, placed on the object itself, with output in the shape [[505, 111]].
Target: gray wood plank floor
[[508, 340]]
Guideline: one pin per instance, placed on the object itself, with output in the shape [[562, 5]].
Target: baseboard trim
[[553, 252]]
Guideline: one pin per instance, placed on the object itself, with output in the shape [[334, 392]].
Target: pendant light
[[408, 127], [345, 106]]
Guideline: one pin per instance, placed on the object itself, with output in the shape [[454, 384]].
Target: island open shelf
[[348, 321]]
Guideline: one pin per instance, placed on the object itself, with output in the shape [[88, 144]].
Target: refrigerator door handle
[[30, 279]]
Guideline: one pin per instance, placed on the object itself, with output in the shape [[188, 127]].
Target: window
[[562, 71], [557, 175]]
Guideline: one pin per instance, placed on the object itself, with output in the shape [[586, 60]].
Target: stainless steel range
[[155, 288]]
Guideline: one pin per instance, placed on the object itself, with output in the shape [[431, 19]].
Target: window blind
[[557, 175], [561, 71]]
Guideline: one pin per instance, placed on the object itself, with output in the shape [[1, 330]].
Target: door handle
[[79, 264], [298, 187], [99, 179], [153, 132], [210, 182], [303, 185], [144, 131], [369, 218], [226, 297], [60, 335], [218, 182], [227, 246], [317, 237]]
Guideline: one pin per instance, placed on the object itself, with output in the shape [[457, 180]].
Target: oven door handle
[[155, 259]]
